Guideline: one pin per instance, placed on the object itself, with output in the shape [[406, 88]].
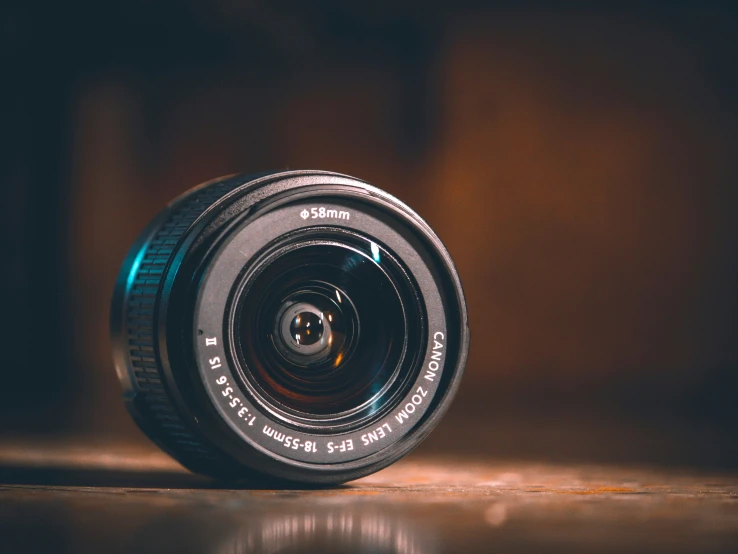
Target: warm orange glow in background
[[582, 169]]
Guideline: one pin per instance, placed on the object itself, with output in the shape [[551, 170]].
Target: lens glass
[[300, 329], [310, 326], [322, 328]]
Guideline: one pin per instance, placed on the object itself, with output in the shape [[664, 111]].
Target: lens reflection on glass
[[310, 329], [322, 329], [301, 332]]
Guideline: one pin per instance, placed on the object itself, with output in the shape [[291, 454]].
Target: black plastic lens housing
[[301, 325]]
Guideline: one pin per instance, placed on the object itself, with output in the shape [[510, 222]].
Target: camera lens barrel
[[300, 325]]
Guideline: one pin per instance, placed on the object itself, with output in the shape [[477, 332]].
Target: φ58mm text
[[324, 213]]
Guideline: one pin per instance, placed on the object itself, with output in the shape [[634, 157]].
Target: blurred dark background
[[580, 163]]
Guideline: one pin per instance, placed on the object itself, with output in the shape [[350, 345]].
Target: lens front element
[[323, 329]]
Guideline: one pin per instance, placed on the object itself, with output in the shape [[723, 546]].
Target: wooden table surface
[[97, 498], [86, 498]]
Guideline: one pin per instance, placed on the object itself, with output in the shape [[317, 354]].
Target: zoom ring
[[164, 424]]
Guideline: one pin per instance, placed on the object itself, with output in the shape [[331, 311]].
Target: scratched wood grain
[[85, 498]]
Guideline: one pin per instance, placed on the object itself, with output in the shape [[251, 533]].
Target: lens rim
[[243, 243]]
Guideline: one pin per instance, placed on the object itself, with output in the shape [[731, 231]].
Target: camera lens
[[299, 325]]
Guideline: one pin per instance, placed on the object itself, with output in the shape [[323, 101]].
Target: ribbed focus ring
[[167, 426]]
